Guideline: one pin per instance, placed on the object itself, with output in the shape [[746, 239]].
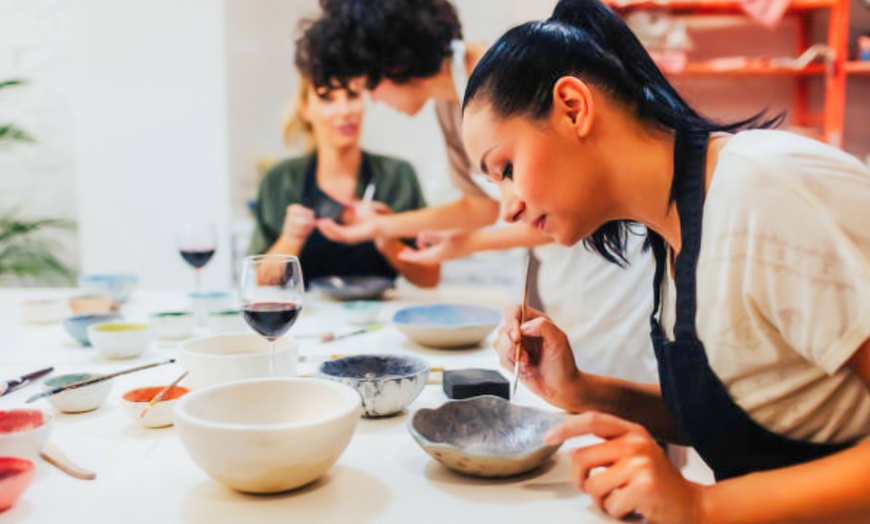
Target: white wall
[[150, 133]]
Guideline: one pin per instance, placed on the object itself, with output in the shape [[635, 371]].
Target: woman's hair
[[584, 38], [298, 131], [395, 39]]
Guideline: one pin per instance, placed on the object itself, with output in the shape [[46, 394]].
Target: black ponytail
[[585, 38]]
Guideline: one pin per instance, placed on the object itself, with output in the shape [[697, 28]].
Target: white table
[[146, 476]]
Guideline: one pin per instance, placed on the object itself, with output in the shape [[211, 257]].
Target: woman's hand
[[637, 476], [360, 223], [434, 247], [547, 364], [298, 224]]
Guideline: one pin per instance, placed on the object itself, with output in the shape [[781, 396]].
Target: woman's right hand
[[547, 365], [298, 223]]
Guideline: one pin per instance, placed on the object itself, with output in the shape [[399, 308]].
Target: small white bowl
[[361, 311], [44, 311], [268, 435], [120, 340], [160, 415], [173, 325], [227, 321], [79, 400], [236, 356], [206, 302], [24, 432]]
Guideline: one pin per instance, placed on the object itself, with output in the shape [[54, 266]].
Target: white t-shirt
[[784, 283], [602, 308]]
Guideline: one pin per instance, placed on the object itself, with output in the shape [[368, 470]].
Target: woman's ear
[[573, 105]]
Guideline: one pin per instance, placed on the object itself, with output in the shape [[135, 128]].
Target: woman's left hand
[[637, 476], [360, 223]]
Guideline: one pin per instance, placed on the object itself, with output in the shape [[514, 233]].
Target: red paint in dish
[[16, 420], [146, 394], [15, 475]]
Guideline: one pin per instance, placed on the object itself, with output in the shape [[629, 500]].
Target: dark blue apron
[[728, 440], [321, 257]]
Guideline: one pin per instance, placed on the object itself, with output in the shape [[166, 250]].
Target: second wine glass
[[197, 242]]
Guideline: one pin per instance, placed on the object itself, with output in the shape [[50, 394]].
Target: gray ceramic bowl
[[77, 326], [485, 436], [353, 288], [386, 383]]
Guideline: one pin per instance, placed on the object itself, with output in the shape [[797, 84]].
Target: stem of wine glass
[[271, 358], [198, 280]]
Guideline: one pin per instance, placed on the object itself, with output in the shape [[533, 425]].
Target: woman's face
[[335, 114], [408, 98], [546, 174]]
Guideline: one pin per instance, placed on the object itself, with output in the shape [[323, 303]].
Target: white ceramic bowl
[[24, 432], [447, 325], [236, 356], [79, 400], [226, 321], [44, 311], [121, 339], [203, 303], [268, 435], [161, 414], [361, 311], [173, 325]]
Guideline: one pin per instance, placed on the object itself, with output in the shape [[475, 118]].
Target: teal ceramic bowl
[[77, 326]]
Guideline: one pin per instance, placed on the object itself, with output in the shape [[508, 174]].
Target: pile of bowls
[[447, 325], [387, 384], [119, 286], [236, 356], [267, 435], [117, 340]]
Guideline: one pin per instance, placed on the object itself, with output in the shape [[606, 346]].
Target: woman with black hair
[[761, 323]]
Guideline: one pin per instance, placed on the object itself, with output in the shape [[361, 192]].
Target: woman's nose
[[511, 206]]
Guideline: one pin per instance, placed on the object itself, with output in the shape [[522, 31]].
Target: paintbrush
[[519, 346], [88, 382], [159, 396]]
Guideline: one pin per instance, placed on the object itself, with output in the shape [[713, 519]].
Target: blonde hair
[[298, 131]]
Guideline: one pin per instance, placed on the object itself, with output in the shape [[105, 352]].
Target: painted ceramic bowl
[[119, 286], [79, 400], [485, 436], [46, 311], [24, 432], [15, 475], [205, 302], [387, 383], [118, 340], [352, 288], [160, 415], [236, 356], [268, 435], [77, 326], [173, 325], [447, 325], [90, 304]]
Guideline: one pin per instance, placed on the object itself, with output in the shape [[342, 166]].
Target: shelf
[[858, 67], [708, 6], [750, 69]]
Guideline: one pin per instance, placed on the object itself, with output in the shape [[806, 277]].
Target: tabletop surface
[[145, 475]]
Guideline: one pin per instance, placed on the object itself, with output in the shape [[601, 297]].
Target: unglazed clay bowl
[[447, 325], [485, 436], [353, 288], [236, 356], [387, 384], [268, 435], [77, 326]]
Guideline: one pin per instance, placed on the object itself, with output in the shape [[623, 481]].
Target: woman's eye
[[507, 171]]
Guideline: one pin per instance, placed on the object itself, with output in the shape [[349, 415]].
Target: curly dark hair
[[395, 39]]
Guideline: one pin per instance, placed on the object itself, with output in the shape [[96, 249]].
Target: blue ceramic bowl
[[119, 286], [386, 383], [447, 325], [353, 288], [77, 326]]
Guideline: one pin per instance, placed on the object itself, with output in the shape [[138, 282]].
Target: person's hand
[[359, 211], [298, 223], [434, 247], [637, 476], [547, 364]]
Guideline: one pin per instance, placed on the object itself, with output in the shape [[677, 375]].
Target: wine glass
[[271, 294], [196, 243]]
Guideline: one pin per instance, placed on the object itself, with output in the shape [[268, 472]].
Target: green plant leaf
[[10, 132], [11, 83]]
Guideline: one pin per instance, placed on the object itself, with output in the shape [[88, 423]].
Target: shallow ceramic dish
[[387, 383], [119, 286], [79, 400], [160, 415], [203, 303], [77, 326], [268, 435], [118, 340], [447, 325], [15, 475], [236, 356], [485, 436], [173, 325], [353, 288], [90, 304], [44, 311], [227, 321], [24, 432]]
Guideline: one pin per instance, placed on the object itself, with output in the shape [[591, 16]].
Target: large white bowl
[[236, 356], [447, 325], [268, 435], [29, 441]]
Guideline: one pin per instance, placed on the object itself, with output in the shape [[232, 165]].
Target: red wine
[[197, 258], [271, 319]]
